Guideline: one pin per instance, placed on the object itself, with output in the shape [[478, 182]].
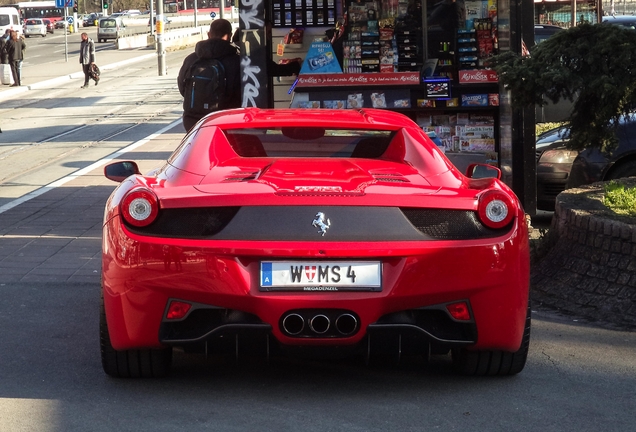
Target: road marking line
[[36, 193]]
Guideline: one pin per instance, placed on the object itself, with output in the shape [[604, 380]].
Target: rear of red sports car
[[307, 230]]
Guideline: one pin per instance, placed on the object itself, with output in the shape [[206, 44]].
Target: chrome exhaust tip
[[293, 324], [346, 324], [319, 324]]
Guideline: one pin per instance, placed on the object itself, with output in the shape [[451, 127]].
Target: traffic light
[[75, 6], [105, 4]]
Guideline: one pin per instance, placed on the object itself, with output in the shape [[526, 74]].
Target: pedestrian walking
[[87, 59], [15, 51], [219, 59], [4, 55]]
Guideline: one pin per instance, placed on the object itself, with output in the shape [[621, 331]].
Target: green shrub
[[619, 199]]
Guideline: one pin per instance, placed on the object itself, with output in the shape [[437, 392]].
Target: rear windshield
[[310, 142], [111, 23], [33, 22]]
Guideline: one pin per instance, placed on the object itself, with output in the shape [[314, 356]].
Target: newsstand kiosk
[[426, 59]]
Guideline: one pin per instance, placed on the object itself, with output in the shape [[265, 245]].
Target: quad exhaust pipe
[[293, 324], [322, 324]]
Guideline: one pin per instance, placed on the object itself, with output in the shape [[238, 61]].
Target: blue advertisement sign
[[320, 59]]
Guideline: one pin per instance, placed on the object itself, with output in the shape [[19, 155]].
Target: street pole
[[152, 14], [196, 22], [65, 35], [160, 51], [222, 9]]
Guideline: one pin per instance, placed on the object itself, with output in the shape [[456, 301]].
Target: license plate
[[321, 276]]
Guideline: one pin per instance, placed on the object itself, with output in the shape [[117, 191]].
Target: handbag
[[94, 72]]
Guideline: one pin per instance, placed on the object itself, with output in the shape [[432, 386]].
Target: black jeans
[[87, 75]]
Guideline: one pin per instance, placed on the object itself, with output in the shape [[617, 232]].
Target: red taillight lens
[[459, 311], [140, 207], [495, 209], [177, 310]]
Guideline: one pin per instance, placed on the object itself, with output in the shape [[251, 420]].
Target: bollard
[[70, 28]]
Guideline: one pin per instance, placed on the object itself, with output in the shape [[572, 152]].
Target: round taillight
[[140, 207], [495, 209]]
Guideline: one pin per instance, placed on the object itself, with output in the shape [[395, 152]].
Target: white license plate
[[321, 275]]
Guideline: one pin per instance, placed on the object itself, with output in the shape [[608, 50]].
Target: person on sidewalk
[[4, 55], [218, 46], [87, 58], [15, 51]]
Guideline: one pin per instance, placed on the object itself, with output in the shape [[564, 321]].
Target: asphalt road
[[54, 143]]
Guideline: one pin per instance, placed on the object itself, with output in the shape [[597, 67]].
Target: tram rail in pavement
[[54, 233]]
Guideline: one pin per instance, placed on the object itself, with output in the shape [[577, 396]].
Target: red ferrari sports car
[[313, 231]]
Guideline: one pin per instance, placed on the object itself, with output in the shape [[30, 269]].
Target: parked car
[[166, 20], [88, 20], [288, 230], [559, 168], [50, 26], [34, 27], [544, 31], [61, 24], [628, 21]]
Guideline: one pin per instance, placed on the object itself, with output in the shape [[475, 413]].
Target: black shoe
[[97, 81], [84, 86], [14, 85]]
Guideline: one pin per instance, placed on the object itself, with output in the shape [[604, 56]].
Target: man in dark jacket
[[218, 46], [4, 55], [15, 49], [87, 58]]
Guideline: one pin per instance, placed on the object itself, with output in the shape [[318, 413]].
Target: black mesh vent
[[450, 224], [188, 222]]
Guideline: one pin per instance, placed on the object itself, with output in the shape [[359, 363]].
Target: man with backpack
[[210, 78]]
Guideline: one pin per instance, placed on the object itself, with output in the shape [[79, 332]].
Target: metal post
[[160, 51], [196, 21], [222, 9], [152, 14], [65, 35]]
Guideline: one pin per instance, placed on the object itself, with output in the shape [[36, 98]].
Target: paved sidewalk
[[56, 236], [40, 76]]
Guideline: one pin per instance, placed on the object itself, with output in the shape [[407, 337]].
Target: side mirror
[[480, 170], [120, 171]]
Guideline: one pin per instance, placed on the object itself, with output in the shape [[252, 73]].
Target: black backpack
[[205, 86]]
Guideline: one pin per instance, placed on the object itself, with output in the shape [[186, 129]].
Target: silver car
[[34, 27], [109, 28]]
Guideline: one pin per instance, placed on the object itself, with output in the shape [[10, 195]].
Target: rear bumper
[[141, 275]]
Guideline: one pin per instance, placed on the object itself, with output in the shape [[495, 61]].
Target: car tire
[[494, 363], [132, 363], [625, 169]]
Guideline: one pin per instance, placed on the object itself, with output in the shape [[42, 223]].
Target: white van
[[9, 19], [109, 28]]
